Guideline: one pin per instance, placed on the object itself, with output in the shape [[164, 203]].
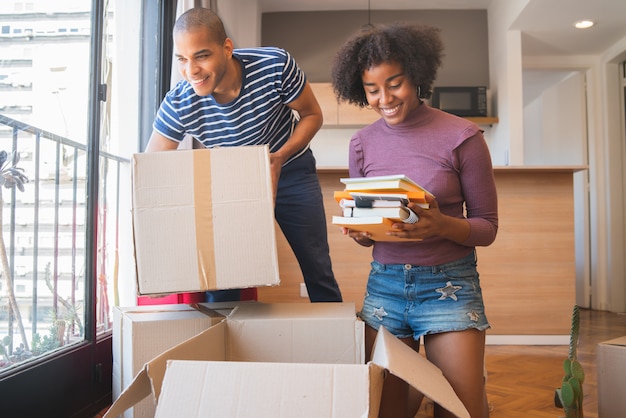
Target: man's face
[[201, 60]]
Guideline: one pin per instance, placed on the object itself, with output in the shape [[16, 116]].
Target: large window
[[68, 126], [45, 79]]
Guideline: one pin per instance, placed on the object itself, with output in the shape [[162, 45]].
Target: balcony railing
[[42, 283]]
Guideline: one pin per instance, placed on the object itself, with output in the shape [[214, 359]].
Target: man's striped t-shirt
[[258, 116]]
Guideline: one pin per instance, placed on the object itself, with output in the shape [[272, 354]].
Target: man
[[238, 97]]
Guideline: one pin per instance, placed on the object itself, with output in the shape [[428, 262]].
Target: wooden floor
[[521, 379]]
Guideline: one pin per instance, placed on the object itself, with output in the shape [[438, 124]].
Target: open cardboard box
[[282, 360], [140, 333], [611, 356], [194, 214]]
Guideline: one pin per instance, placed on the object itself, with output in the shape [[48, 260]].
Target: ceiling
[[546, 25]]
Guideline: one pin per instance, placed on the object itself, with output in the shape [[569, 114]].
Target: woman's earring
[[368, 107], [419, 91]]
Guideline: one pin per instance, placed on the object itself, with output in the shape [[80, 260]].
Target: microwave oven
[[461, 100]]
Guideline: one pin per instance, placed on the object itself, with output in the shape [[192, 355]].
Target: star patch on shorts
[[380, 313], [448, 291]]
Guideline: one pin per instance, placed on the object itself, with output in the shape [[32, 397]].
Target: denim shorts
[[411, 300]]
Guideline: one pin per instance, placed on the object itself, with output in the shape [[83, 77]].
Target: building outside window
[[62, 217]]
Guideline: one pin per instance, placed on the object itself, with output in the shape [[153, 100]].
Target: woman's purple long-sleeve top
[[448, 156]]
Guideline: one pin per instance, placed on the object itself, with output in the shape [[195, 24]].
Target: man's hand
[[276, 165]]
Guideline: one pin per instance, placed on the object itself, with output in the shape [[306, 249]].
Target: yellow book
[[392, 183]]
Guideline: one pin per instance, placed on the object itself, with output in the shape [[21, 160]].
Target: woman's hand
[[362, 238], [427, 224], [432, 223]]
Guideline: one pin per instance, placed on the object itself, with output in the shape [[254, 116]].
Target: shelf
[[482, 120]]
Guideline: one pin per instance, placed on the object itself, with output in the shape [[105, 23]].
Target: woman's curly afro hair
[[417, 48]]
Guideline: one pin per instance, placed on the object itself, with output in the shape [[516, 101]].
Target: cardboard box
[[611, 356], [141, 333], [203, 219], [283, 360]]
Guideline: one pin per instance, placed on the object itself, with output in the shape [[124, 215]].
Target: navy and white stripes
[[258, 116]]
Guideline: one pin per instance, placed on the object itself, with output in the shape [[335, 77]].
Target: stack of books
[[374, 204]]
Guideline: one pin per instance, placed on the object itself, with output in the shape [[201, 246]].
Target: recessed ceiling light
[[583, 24]]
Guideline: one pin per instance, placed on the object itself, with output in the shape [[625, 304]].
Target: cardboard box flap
[[292, 311], [162, 190], [206, 346], [139, 389], [152, 313], [243, 210], [620, 341], [390, 353], [281, 390], [290, 332]]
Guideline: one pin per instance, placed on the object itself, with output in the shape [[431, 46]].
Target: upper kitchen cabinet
[[328, 102], [314, 37], [340, 113]]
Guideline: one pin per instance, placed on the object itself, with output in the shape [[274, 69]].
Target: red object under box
[[188, 298]]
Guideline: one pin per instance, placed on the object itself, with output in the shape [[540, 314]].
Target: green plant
[[39, 345], [5, 345], [10, 177], [69, 316], [20, 353], [570, 395], [47, 343]]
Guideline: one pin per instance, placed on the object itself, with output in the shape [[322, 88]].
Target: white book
[[352, 203], [398, 214], [378, 200], [366, 199]]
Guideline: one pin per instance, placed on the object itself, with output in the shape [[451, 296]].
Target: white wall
[[506, 141], [554, 118], [606, 288], [242, 20], [611, 288]]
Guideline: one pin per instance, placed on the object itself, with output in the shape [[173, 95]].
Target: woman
[[431, 287]]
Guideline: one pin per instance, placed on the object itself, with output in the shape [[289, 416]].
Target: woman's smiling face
[[389, 91]]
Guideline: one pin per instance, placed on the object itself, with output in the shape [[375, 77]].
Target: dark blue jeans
[[300, 214]]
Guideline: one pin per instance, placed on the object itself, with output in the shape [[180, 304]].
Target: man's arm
[[310, 122], [158, 142]]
